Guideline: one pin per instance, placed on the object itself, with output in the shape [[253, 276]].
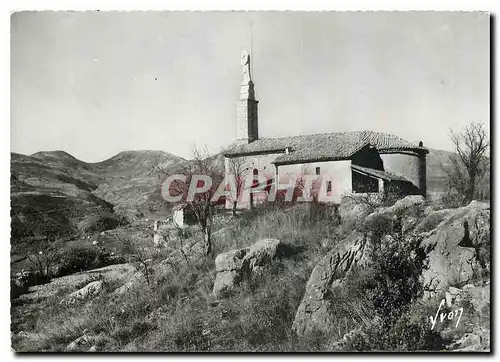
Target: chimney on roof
[[420, 144]]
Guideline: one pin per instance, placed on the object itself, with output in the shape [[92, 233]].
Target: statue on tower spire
[[245, 63], [247, 105]]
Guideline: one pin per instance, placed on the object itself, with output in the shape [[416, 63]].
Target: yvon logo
[[446, 316]]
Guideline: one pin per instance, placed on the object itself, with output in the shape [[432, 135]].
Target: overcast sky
[[97, 83]]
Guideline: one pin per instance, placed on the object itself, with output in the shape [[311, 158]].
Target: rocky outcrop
[[78, 344], [477, 296], [351, 211], [476, 340], [235, 265], [313, 312], [473, 332], [89, 291], [455, 254], [135, 279], [407, 202], [405, 206], [82, 343]]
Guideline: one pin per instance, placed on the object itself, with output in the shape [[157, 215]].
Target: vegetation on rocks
[[376, 301]]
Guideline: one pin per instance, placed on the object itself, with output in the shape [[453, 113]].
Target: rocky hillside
[[409, 277], [52, 191], [132, 182]]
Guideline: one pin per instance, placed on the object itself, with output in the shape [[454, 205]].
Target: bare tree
[[235, 169], [199, 171], [468, 166], [43, 256], [140, 254], [182, 236]]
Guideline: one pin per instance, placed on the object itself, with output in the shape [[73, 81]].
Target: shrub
[[83, 258], [378, 226], [392, 283], [411, 330], [103, 220], [397, 264]]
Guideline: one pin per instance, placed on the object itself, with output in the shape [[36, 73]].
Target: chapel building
[[345, 162]]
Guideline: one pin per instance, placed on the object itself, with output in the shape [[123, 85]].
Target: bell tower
[[247, 115]]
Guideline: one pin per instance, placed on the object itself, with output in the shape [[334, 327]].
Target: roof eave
[[402, 149], [253, 153], [311, 160], [362, 170]]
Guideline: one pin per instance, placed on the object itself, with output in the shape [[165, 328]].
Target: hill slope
[[438, 161], [131, 181], [52, 191]]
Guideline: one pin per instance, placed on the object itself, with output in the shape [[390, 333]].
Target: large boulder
[[135, 279], [472, 333], [352, 210], [457, 254], [235, 265], [405, 206], [408, 202], [261, 253], [476, 340], [313, 312], [78, 344], [89, 291]]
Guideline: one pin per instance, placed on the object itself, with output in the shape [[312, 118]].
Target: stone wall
[[267, 171], [338, 172]]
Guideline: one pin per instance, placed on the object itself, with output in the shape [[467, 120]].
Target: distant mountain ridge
[[131, 163], [56, 190]]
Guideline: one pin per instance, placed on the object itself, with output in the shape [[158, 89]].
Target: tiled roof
[[321, 147], [379, 174]]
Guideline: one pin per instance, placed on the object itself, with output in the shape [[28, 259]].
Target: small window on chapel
[[317, 170], [329, 186], [255, 180]]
